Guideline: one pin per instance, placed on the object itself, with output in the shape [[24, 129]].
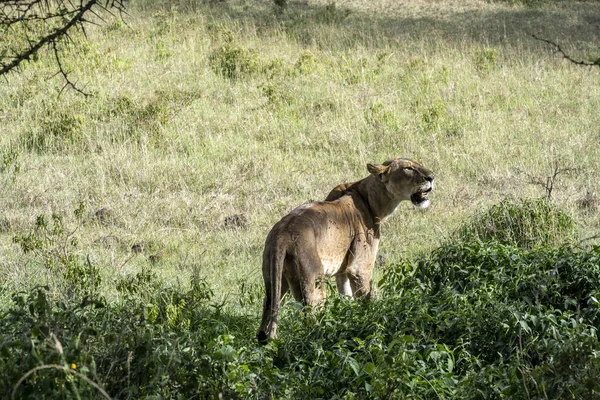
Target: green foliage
[[275, 93], [61, 130], [378, 116], [52, 244], [472, 319], [163, 52], [525, 223], [485, 59], [433, 116], [436, 119], [520, 314], [10, 162], [233, 61], [143, 120], [306, 62]]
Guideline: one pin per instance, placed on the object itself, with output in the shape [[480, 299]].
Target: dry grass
[[173, 147]]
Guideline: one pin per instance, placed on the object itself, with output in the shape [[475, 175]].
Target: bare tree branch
[[21, 22], [565, 55], [550, 182], [65, 74]]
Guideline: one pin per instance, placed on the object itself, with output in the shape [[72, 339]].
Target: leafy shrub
[[436, 118], [61, 130], [233, 61], [473, 319], [518, 312], [274, 93], [526, 223], [144, 119], [485, 59], [433, 116], [378, 116], [9, 162], [306, 62], [162, 51], [275, 67], [52, 244]]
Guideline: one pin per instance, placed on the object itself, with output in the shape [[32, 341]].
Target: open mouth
[[420, 198]]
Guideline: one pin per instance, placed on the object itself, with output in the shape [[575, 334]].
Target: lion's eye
[[409, 168]]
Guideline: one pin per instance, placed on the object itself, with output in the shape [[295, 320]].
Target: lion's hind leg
[[308, 268], [361, 283]]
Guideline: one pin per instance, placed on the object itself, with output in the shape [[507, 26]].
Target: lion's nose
[[429, 178]]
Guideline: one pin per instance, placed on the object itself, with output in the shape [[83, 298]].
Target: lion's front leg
[[343, 285], [360, 269]]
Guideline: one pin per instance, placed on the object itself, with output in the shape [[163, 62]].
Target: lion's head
[[405, 179]]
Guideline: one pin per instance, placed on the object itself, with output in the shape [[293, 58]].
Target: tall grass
[[203, 110]]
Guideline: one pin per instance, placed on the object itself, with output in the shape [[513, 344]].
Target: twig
[[65, 74], [66, 369], [67, 13], [48, 39], [589, 238], [565, 55], [550, 182]]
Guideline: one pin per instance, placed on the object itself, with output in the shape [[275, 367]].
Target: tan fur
[[339, 191], [338, 237]]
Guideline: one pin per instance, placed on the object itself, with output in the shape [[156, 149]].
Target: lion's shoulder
[[339, 191]]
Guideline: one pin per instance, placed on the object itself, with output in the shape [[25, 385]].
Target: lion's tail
[[273, 274]]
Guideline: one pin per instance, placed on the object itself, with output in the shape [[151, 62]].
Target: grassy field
[[203, 111], [209, 121]]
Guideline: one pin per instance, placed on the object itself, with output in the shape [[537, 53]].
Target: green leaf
[[370, 368], [354, 365]]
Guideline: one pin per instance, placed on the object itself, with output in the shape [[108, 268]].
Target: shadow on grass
[[576, 25]]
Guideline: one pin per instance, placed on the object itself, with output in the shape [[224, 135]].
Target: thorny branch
[[21, 22], [550, 182], [565, 55]]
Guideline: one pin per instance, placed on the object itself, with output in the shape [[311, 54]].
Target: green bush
[[378, 116], [485, 59], [306, 63], [144, 120], [233, 61], [473, 320], [9, 162], [525, 223], [60, 131]]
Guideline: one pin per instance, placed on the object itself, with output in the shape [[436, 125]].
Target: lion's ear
[[378, 170]]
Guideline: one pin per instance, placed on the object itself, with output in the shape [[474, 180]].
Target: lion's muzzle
[[419, 198]]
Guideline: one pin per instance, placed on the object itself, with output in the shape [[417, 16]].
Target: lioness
[[336, 237]]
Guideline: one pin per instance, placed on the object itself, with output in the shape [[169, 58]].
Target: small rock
[[103, 215], [156, 257], [236, 221], [138, 248], [589, 202]]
